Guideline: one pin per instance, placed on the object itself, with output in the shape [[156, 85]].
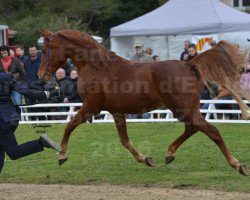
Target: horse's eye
[[43, 51]]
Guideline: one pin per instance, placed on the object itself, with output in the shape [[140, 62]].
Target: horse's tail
[[221, 65]]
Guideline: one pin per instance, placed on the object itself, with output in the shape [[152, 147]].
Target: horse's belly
[[132, 104]]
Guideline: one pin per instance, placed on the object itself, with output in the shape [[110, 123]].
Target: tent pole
[[167, 40]]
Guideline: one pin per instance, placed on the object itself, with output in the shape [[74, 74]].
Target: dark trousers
[[30, 110], [9, 145]]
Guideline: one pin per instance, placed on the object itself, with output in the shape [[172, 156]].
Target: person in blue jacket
[[9, 120]]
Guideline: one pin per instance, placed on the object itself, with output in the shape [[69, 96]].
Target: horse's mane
[[95, 54]]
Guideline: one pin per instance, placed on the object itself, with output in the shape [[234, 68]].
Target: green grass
[[96, 157]]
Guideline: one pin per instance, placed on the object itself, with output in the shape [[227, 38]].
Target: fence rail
[[212, 114]]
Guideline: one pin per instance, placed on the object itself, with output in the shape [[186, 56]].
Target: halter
[[47, 64], [47, 59], [48, 54]]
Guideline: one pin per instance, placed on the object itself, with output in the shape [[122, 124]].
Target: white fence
[[211, 114]]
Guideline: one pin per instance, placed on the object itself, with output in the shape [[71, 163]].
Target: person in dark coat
[[32, 64], [54, 86], [9, 119], [68, 89], [12, 65], [31, 68], [20, 55]]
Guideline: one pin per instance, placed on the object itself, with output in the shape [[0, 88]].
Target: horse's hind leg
[[82, 116], [189, 131], [120, 122], [213, 133]]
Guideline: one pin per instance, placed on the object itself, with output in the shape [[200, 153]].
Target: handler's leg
[[13, 150], [120, 122]]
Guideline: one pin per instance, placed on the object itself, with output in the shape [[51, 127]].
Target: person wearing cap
[[9, 120], [140, 55]]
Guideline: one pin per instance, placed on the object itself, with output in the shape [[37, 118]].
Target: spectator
[[12, 65], [140, 55], [184, 54], [69, 89], [156, 58], [206, 94], [31, 67], [32, 64], [149, 51], [192, 52], [245, 77], [54, 87], [223, 94], [20, 55]]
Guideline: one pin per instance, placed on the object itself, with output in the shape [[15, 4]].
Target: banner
[[203, 42]]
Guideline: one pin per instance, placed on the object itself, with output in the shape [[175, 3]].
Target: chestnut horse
[[109, 82]]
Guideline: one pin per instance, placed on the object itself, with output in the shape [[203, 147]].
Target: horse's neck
[[79, 63], [82, 60]]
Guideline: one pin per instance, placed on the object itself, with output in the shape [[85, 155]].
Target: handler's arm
[[23, 89]]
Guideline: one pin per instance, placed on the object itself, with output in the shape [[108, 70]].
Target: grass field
[[96, 157]]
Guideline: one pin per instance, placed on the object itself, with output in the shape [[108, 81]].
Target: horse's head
[[52, 57]]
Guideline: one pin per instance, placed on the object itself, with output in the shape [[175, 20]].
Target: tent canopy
[[186, 17]]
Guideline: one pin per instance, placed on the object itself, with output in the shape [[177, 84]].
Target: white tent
[[166, 28]]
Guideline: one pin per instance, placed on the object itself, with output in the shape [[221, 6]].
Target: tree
[[92, 16]]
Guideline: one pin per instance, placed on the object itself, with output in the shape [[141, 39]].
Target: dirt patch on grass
[[109, 192]]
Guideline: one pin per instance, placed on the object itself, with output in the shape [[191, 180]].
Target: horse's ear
[[45, 33]]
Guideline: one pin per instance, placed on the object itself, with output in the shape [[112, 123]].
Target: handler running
[[9, 120]]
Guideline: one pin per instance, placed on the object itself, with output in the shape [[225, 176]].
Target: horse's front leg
[[120, 122], [81, 117]]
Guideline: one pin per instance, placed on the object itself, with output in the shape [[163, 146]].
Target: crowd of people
[[189, 52], [63, 87]]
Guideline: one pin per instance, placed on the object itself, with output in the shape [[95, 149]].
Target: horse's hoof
[[169, 159], [62, 160], [243, 169], [149, 161]]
